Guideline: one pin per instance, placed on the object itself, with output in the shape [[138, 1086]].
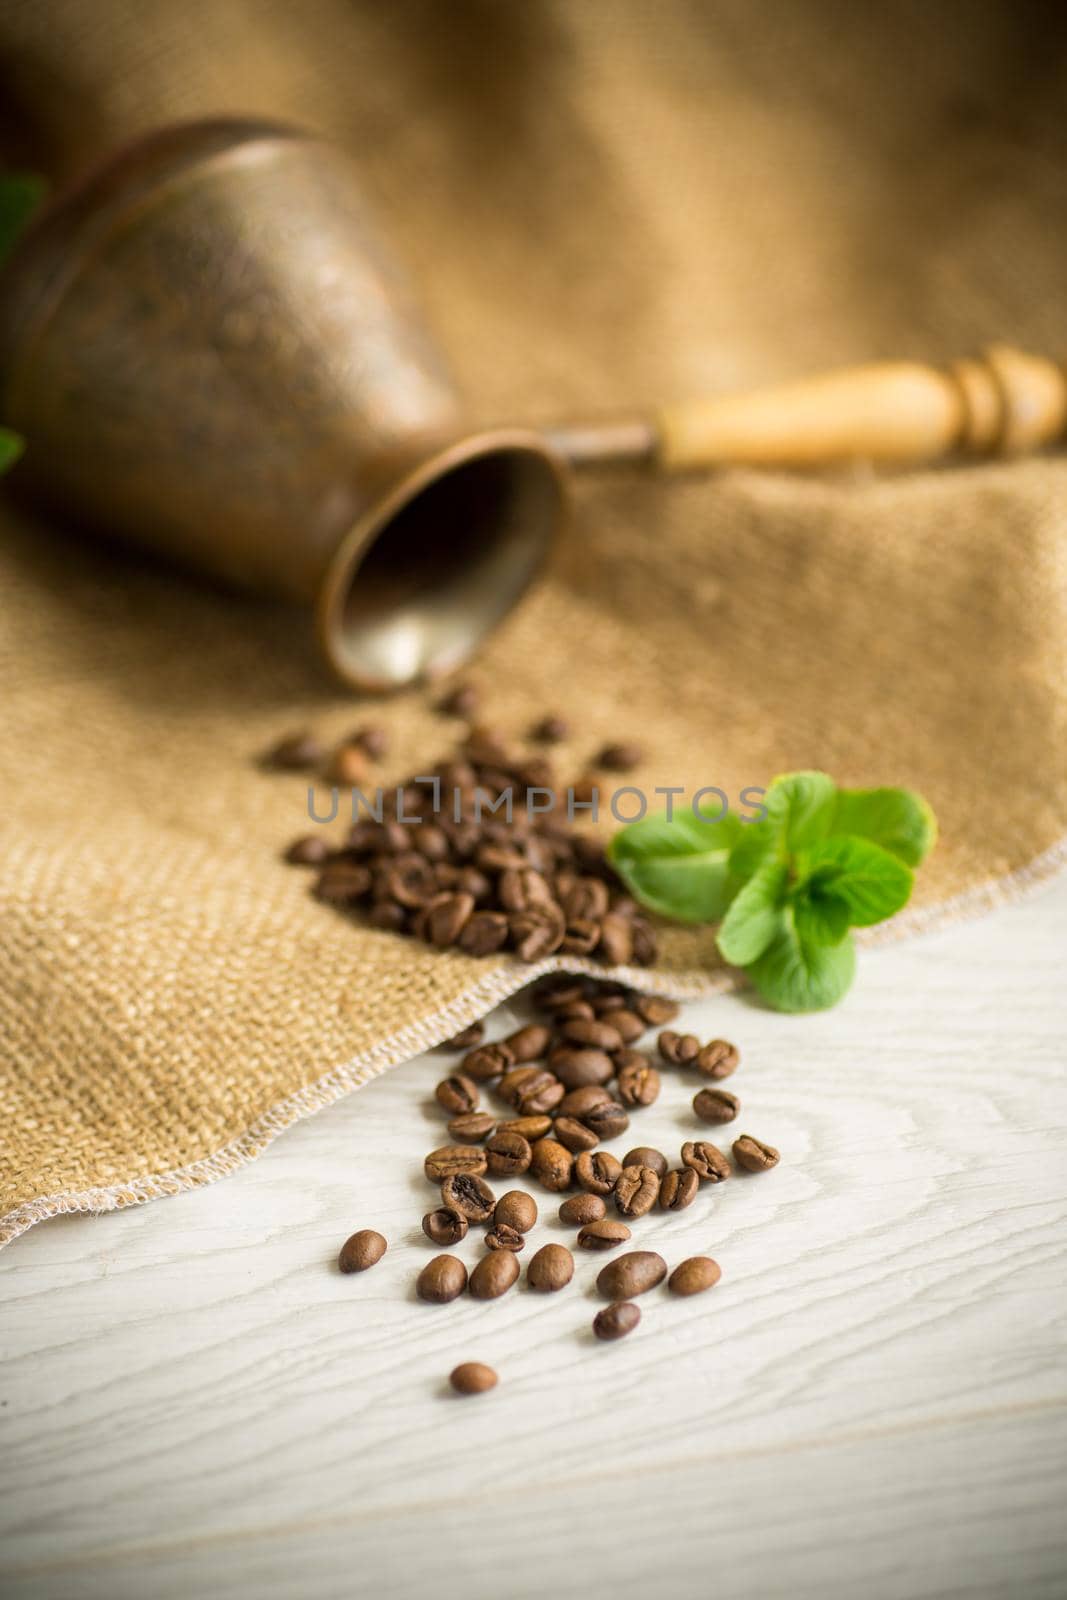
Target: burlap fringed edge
[[492, 990]]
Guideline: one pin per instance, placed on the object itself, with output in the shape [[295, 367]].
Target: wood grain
[[872, 1401]]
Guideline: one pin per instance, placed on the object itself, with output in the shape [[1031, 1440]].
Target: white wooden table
[[873, 1402]]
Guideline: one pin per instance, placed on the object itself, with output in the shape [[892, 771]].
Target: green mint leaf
[[801, 805], [759, 843], [897, 819], [752, 920], [871, 882], [797, 973], [820, 917], [679, 868], [11, 447], [20, 195]]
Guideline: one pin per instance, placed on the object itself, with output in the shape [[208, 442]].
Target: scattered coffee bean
[[597, 1171], [603, 1235], [581, 1209], [678, 1189], [487, 1061], [530, 1043], [507, 1154], [655, 1009], [577, 1069], [550, 1269], [472, 1127], [462, 700], [552, 1164], [441, 1280], [709, 1164], [445, 917], [593, 1035], [620, 757], [342, 883], [550, 730], [753, 1155], [643, 1155], [579, 1102], [311, 850], [616, 1321], [607, 1121], [445, 1226], [466, 1039], [452, 1159], [639, 1083], [695, 1275], [530, 1128], [627, 1024], [718, 1059], [716, 1105], [517, 1210], [678, 1049], [471, 1195], [364, 1249], [297, 752], [575, 1135], [472, 1377], [349, 767], [457, 1095], [501, 1237], [631, 1274], [636, 1191], [484, 934]]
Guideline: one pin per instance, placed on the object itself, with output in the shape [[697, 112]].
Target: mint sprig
[[788, 888]]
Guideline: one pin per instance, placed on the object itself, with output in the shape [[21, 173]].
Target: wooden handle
[[894, 411]]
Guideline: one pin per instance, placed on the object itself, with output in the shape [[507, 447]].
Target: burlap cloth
[[603, 202]]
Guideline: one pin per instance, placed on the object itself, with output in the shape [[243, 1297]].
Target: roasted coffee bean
[[754, 1155], [373, 740], [617, 1320], [580, 937], [517, 1210], [530, 1128], [593, 1035], [616, 943], [387, 917], [472, 1377], [550, 730], [446, 917], [457, 1094], [410, 882], [537, 933], [639, 1084], [550, 1269], [530, 1043], [709, 1164], [494, 1274], [363, 1250], [643, 1155], [627, 1024], [486, 748], [695, 1275], [552, 1164], [470, 1195], [718, 1059], [297, 752], [634, 1273], [576, 1069], [678, 1189], [655, 1009], [342, 883], [586, 900], [523, 889], [472, 1127], [636, 1191], [596, 1171], [558, 990], [484, 934], [432, 842], [349, 767], [540, 1094], [487, 1061], [462, 700], [501, 1237], [581, 1209], [445, 1226], [645, 945], [575, 1135], [577, 1011], [514, 1083], [678, 1049], [603, 1235], [716, 1105], [451, 1160], [311, 850], [474, 883], [507, 1153], [607, 1121], [620, 757], [578, 1102], [441, 1280]]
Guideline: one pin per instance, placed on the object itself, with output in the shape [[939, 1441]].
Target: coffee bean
[[501, 1237], [462, 700], [297, 752], [507, 1154], [530, 1043], [311, 850], [472, 1377], [579, 1102], [550, 730], [457, 1095], [575, 1135], [342, 883], [446, 917], [678, 1189], [617, 1320], [603, 1235], [655, 1009], [754, 1155], [716, 1105], [517, 1210], [537, 933], [695, 1275], [634, 1273], [581, 1209], [452, 1159], [441, 1280], [627, 1024], [586, 900], [470, 1195], [514, 1083], [556, 990], [373, 740], [541, 1093], [709, 1164], [597, 1171], [410, 882], [551, 1163], [577, 1069], [349, 767], [472, 1127], [594, 1035], [678, 1049], [607, 1121], [432, 842], [487, 1061], [386, 916], [639, 1084], [363, 1250], [550, 1269], [718, 1059], [445, 1226], [616, 943], [636, 1191], [643, 1155], [620, 757], [530, 1128], [484, 934]]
